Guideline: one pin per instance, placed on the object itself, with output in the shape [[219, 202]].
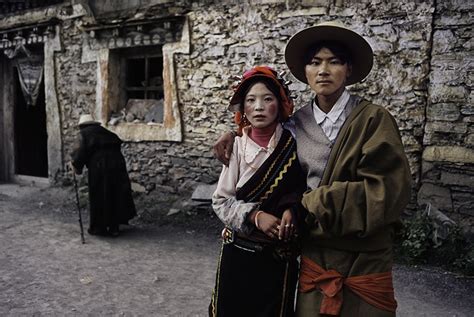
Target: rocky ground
[[161, 265]]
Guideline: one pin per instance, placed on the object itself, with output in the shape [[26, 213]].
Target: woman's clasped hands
[[274, 227]]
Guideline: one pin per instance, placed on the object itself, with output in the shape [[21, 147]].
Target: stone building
[[158, 72]]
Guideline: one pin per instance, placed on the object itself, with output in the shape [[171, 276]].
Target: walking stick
[[78, 206]]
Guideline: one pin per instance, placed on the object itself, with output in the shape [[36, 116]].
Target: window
[[137, 92], [140, 92], [144, 77]]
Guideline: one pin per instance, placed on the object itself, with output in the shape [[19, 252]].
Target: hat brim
[[88, 123], [299, 44]]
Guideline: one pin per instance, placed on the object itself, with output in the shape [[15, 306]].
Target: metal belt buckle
[[228, 236]]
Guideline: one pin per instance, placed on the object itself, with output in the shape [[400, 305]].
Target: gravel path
[[150, 270]]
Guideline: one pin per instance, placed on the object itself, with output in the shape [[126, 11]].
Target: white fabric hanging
[[30, 71]]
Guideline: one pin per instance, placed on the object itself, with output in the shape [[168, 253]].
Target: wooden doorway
[[31, 139]]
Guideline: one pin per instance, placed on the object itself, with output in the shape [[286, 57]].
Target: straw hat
[[87, 119], [299, 44]]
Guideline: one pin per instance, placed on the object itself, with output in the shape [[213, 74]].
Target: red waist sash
[[375, 289]]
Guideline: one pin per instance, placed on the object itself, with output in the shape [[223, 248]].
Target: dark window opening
[[144, 74], [141, 87]]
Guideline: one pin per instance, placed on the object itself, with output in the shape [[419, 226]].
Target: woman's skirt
[[253, 280]]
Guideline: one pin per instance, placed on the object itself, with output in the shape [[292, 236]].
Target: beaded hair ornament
[[236, 102]]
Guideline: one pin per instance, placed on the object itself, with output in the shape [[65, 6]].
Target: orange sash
[[376, 289]]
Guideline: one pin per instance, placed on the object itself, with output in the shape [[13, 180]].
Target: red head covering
[[236, 102]]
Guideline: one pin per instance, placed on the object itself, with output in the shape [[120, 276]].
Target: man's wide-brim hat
[[299, 45], [87, 119]]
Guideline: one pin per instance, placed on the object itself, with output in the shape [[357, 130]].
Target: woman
[[256, 274], [357, 175]]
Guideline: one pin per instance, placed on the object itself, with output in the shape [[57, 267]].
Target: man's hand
[[223, 147]]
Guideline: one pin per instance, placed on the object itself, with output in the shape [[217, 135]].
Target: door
[[31, 152]]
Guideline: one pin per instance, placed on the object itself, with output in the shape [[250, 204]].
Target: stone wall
[[448, 156], [76, 83], [231, 38], [421, 75]]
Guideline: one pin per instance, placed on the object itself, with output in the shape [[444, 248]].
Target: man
[[357, 174], [110, 198]]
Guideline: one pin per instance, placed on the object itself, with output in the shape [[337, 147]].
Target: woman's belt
[[231, 237], [376, 289]]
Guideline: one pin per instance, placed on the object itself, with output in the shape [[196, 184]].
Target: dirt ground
[[160, 268]]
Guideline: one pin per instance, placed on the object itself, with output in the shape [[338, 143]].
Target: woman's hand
[[268, 224], [223, 147], [287, 228]]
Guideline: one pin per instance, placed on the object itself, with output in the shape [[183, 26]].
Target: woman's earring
[[244, 119]]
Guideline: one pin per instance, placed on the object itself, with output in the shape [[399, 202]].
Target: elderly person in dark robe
[[110, 198]]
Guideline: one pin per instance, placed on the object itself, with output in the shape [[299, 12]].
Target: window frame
[[107, 94]]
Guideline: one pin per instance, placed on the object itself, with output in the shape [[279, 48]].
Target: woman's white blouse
[[247, 156]]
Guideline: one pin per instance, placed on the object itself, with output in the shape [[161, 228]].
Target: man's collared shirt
[[332, 121]]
